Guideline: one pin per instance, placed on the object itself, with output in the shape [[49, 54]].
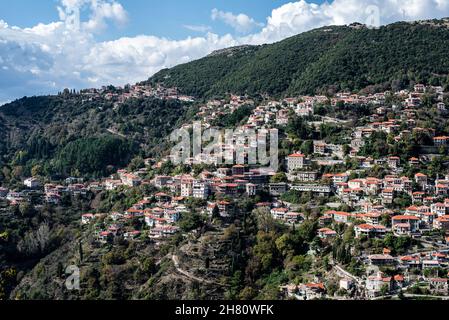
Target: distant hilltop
[[321, 61], [230, 51]]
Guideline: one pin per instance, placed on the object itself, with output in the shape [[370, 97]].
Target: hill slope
[[338, 57], [61, 132]]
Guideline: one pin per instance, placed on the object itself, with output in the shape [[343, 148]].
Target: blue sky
[[162, 18], [49, 45]]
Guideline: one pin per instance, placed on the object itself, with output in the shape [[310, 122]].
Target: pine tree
[[80, 251]]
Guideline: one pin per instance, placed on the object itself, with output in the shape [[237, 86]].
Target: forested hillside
[[59, 133], [330, 58]]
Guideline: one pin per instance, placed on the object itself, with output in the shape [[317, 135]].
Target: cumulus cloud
[[101, 12], [49, 57], [296, 17], [240, 22]]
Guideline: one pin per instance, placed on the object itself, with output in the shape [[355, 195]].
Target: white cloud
[[296, 17], [240, 22], [101, 12], [48, 57], [198, 28], [128, 60]]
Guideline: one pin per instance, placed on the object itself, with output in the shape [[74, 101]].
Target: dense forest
[[324, 60], [58, 133]]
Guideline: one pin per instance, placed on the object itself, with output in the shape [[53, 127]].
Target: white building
[[200, 189], [295, 161], [32, 183]]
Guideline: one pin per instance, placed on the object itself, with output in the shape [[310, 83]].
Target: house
[[413, 161], [319, 147], [376, 283], [325, 220], [381, 259], [200, 189], [340, 178], [230, 189], [370, 231], [421, 179], [373, 218], [161, 181], [418, 196], [17, 197], [162, 197], [309, 291], [110, 184], [340, 216], [224, 207], [441, 141], [105, 236], [441, 223], [387, 195], [440, 257], [32, 183], [251, 189], [293, 217], [87, 218], [326, 233], [399, 281], [172, 216], [163, 231], [52, 198], [131, 235], [373, 186], [186, 187], [405, 224], [430, 264], [410, 262], [279, 213], [394, 162], [441, 189], [356, 183], [438, 285], [420, 88], [238, 170], [305, 176], [130, 180], [3, 192], [114, 229], [438, 209], [177, 201], [295, 161], [346, 284], [116, 216], [441, 106], [277, 189]]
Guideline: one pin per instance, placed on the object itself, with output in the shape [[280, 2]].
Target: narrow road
[[115, 133], [345, 273], [409, 295], [175, 260]]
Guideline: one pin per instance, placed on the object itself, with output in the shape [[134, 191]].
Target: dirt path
[[115, 133], [175, 260]]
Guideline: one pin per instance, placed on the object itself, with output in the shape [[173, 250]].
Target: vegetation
[[324, 60]]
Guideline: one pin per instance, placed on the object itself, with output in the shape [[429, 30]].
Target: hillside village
[[351, 194]]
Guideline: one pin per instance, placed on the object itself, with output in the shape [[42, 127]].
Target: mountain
[[330, 58], [59, 131], [248, 256]]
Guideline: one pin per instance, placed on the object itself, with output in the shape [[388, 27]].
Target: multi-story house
[[295, 161]]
